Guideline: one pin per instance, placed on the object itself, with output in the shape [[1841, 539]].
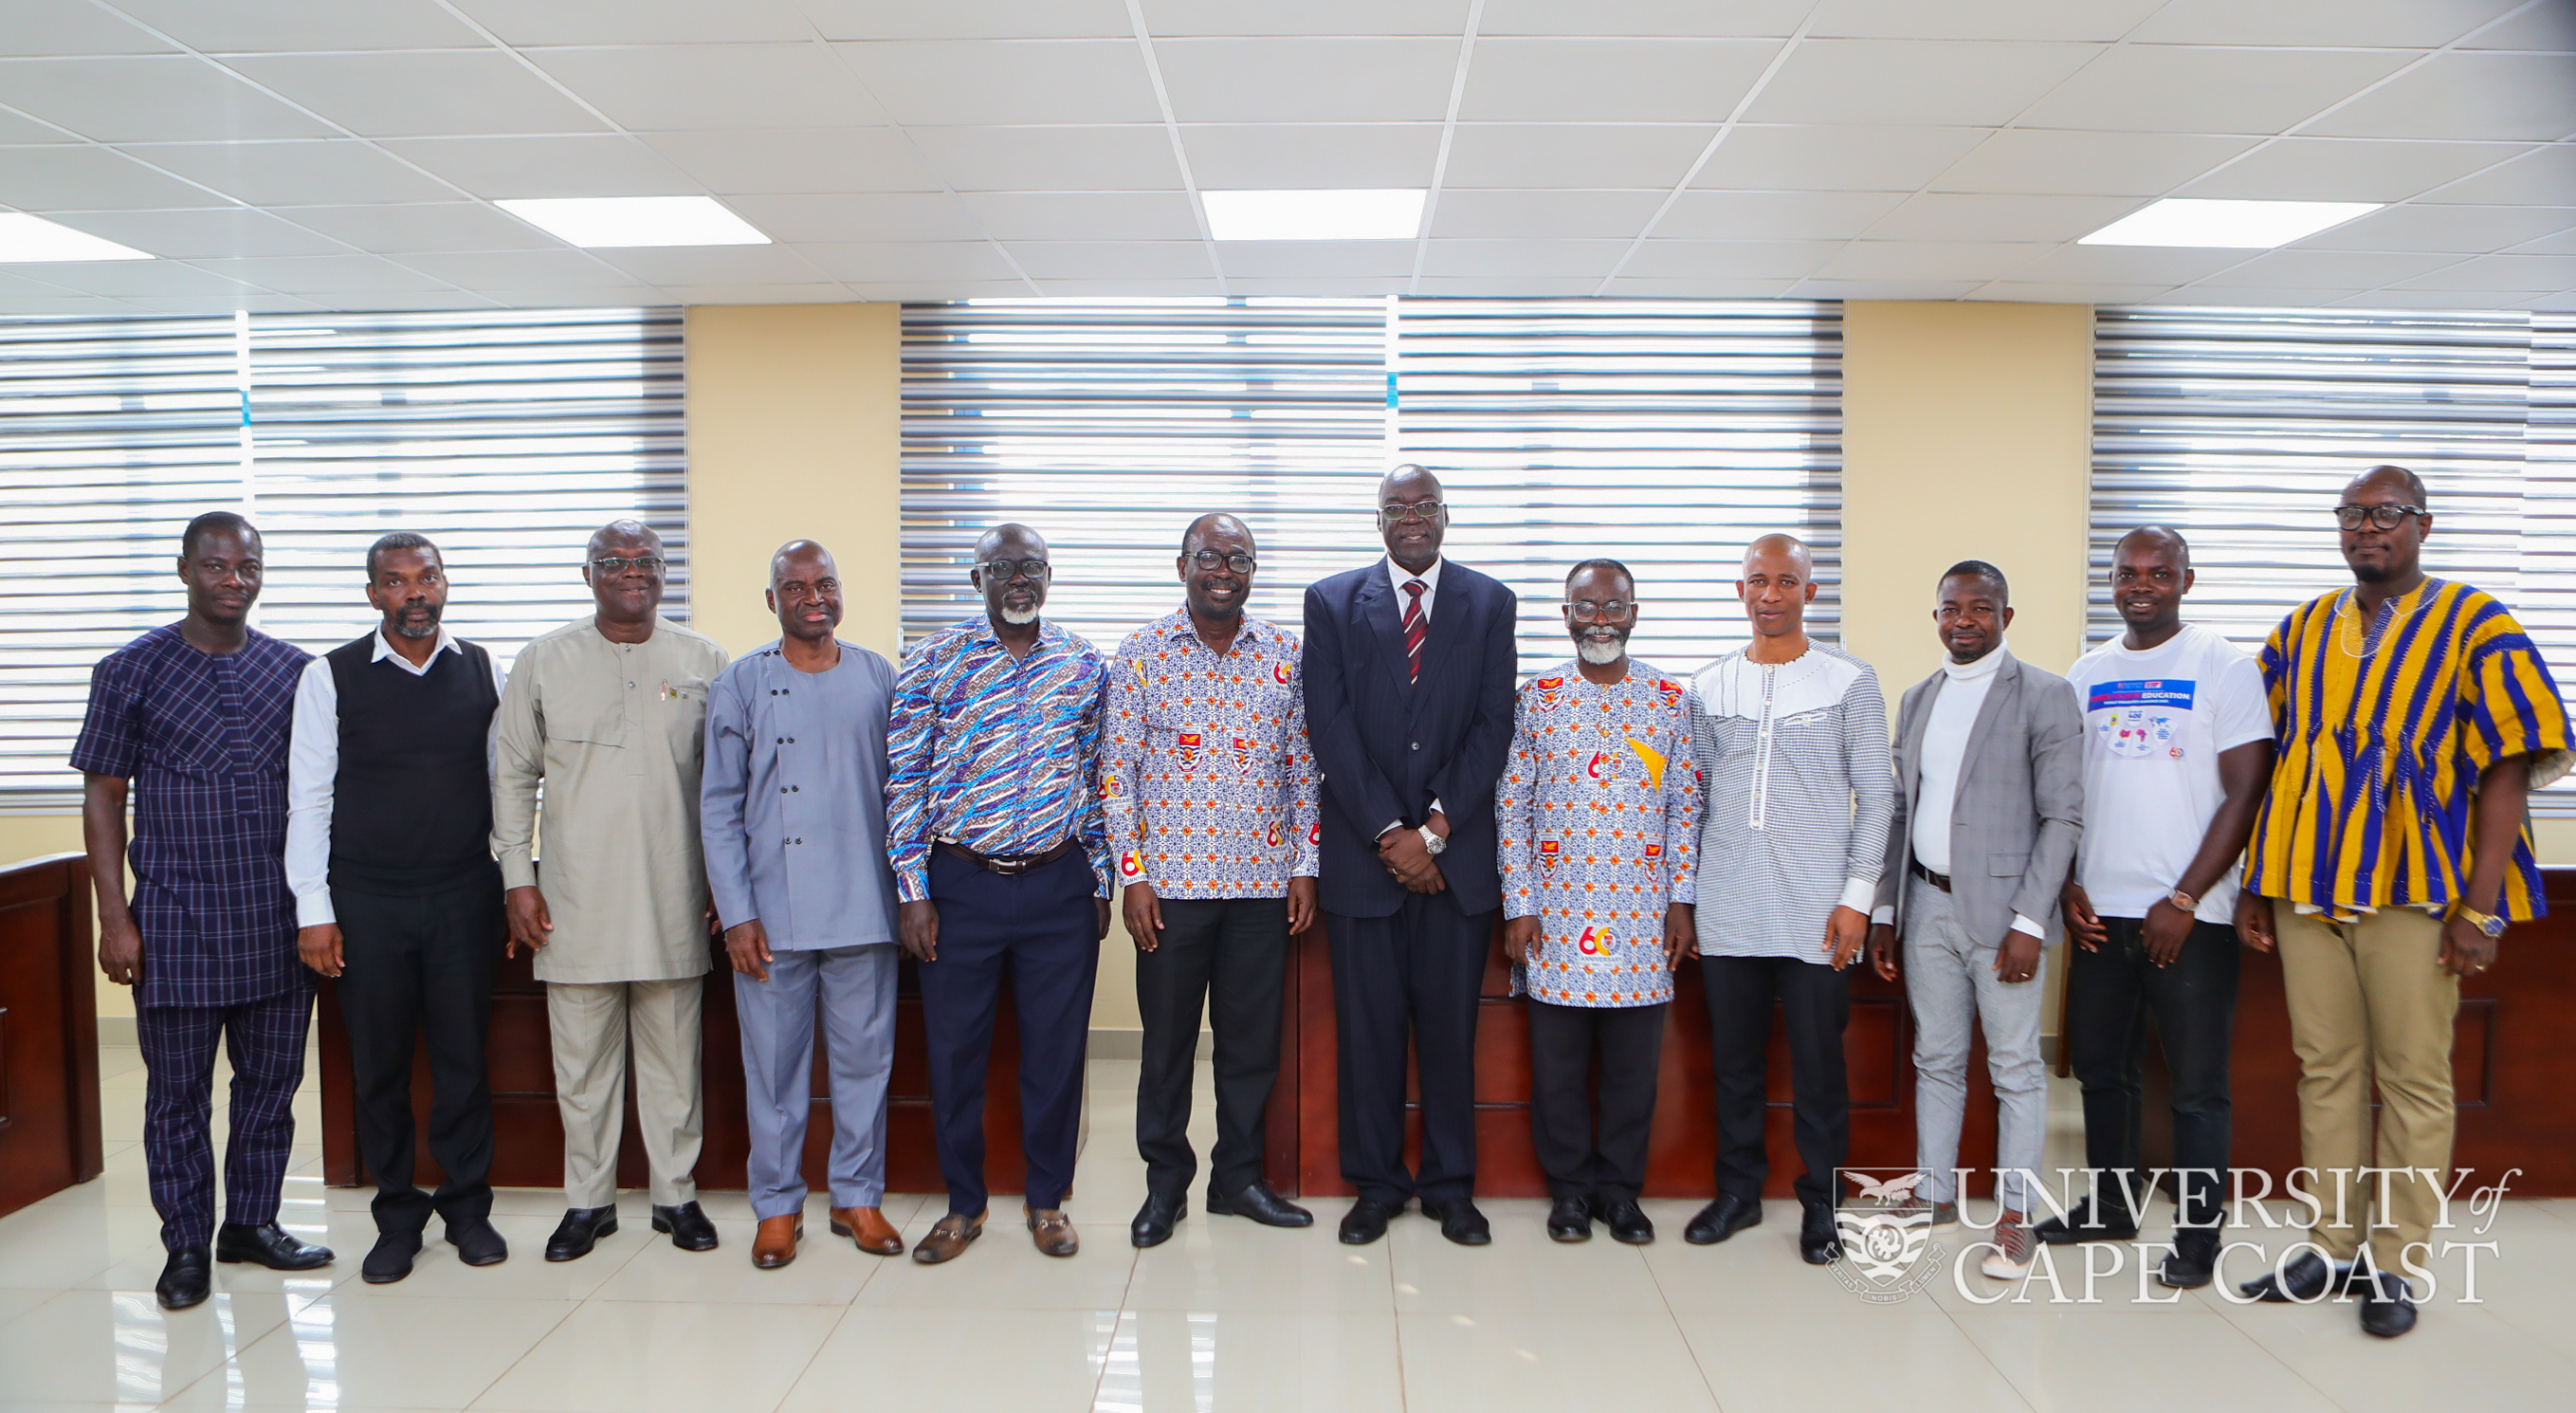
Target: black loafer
[[477, 1242], [185, 1279], [1820, 1241], [2089, 1220], [1366, 1221], [391, 1260], [1260, 1204], [2303, 1280], [1153, 1224], [1721, 1219], [2193, 1262], [1460, 1222], [267, 1245], [689, 1228], [1628, 1222], [1569, 1219], [580, 1230], [2387, 1306]]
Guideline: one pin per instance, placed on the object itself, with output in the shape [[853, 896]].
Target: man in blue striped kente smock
[[2413, 718]]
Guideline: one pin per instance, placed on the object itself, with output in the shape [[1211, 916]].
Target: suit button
[[1417, 745], [795, 787], [782, 789]]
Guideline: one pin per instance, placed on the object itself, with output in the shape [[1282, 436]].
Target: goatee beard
[[1019, 617], [1600, 652], [424, 628]]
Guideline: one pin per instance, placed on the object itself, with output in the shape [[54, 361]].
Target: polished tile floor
[[1226, 1316]]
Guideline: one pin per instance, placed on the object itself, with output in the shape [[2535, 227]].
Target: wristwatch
[[2488, 923], [1433, 843], [2183, 900]]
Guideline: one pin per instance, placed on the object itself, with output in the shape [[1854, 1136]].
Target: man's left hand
[[2018, 958], [1301, 905], [747, 947], [2465, 950], [2167, 928], [1846, 930], [319, 947]]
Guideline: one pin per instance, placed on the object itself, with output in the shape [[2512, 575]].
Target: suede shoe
[[1569, 1219], [477, 1241], [2387, 1306], [267, 1244], [2089, 1220], [1366, 1221], [1154, 1220], [391, 1260], [2193, 1262], [1051, 1230], [947, 1238], [580, 1230], [689, 1228], [186, 1279], [1627, 1221], [1460, 1222], [1721, 1219], [1262, 1205]]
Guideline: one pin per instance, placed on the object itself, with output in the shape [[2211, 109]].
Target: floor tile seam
[[1959, 1327]]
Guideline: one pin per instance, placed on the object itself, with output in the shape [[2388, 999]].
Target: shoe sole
[[1569, 1237], [606, 1229], [1216, 1209], [372, 1278], [1633, 1238], [665, 1228]]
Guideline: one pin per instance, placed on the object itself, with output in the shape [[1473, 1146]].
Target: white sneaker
[[2008, 1259]]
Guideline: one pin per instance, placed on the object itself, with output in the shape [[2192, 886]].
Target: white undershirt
[[1398, 575], [1945, 750]]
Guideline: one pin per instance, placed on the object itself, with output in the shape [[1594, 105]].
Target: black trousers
[[2109, 995], [1415, 971], [1815, 1004], [1232, 955], [1563, 1041], [422, 966]]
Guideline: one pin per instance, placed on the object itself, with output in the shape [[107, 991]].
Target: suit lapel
[[1990, 715], [1386, 624], [1914, 739], [1441, 636]]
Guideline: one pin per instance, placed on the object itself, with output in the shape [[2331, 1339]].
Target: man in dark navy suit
[[1409, 674]]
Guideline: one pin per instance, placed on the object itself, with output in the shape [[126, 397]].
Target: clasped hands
[[1409, 860]]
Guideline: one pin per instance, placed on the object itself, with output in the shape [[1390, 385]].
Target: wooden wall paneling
[[50, 1136]]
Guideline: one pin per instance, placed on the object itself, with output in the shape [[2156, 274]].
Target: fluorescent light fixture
[[636, 220], [1313, 215], [30, 239], [2229, 225]]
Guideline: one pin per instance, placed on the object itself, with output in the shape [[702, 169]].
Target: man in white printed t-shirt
[[2177, 753]]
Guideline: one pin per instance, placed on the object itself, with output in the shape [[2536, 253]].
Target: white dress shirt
[[1399, 576], [313, 767], [1945, 750]]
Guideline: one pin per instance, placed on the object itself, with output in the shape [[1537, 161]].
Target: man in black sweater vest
[[388, 849]]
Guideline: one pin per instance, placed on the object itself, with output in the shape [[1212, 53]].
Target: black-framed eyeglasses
[[1420, 510], [2383, 517], [1210, 559], [1003, 570], [619, 564], [1611, 611]]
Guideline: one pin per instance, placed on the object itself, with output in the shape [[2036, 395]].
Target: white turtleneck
[[1945, 751]]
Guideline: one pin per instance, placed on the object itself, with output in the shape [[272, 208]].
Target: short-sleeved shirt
[[203, 737]]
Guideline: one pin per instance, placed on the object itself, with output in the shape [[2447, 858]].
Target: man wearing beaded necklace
[[2381, 899]]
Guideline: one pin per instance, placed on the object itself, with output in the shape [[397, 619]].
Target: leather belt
[[1937, 880], [1007, 865]]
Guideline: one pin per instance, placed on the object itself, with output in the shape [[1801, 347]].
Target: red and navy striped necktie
[[1415, 624]]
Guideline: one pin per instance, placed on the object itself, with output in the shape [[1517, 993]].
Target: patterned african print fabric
[[1599, 810], [2384, 729], [1206, 779], [1000, 754]]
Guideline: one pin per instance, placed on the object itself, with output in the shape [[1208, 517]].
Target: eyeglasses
[[1419, 510], [1003, 570], [1210, 559], [1586, 611], [619, 564], [2383, 517]]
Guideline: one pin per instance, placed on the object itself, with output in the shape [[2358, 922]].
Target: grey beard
[[417, 631], [1599, 653], [1017, 617]]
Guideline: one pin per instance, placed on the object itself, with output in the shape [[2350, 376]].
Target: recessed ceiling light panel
[[1314, 215], [604, 221], [32, 239], [2227, 225]]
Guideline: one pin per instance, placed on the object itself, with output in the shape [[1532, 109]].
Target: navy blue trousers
[[1040, 929], [265, 1041], [1413, 973]]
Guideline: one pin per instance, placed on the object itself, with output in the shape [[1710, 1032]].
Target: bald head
[[1215, 523], [2397, 477], [805, 592], [622, 537], [1014, 593], [2162, 538], [1412, 534], [2150, 573], [1777, 583]]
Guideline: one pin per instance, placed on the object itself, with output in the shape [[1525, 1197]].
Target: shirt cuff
[[518, 872], [912, 885], [2023, 924], [1857, 895], [1390, 829], [1884, 917], [314, 909]]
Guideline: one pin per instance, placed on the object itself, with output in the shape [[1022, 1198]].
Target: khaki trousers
[[591, 1023], [2369, 999]]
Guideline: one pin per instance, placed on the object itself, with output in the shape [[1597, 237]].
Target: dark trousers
[[422, 966], [265, 1041], [2109, 995], [1563, 1041], [1815, 1004], [1418, 971], [1040, 929], [1232, 955]]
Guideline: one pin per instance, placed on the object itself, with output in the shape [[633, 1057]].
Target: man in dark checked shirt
[[193, 719]]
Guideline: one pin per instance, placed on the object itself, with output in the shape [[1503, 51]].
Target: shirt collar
[[385, 647], [1430, 577], [1179, 624], [1048, 633], [1986, 666]]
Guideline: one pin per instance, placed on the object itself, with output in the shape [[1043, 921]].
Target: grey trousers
[[856, 988], [1950, 979], [590, 1023]]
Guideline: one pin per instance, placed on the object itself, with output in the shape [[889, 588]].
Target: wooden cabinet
[[49, 1129]]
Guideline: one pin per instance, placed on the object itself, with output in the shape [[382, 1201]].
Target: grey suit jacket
[[2020, 804]]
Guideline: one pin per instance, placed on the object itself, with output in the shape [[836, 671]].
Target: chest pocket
[[683, 713], [588, 712], [1732, 735]]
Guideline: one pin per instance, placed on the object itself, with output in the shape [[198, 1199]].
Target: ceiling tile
[[1885, 289], [671, 87], [1507, 286], [1272, 156], [1626, 287], [429, 94], [1610, 80], [2064, 162], [2154, 88], [1927, 260], [139, 277], [1112, 260], [715, 264], [520, 269], [295, 173], [190, 235], [218, 304], [1133, 289], [1321, 286], [1052, 159], [148, 98], [1728, 259], [1166, 18], [905, 262], [1084, 215], [899, 292], [500, 168], [2544, 177], [1834, 158], [2543, 27], [540, 22], [44, 28], [1954, 215], [2097, 21], [762, 294], [1754, 19], [1926, 82], [1774, 215], [2504, 97], [1543, 214], [833, 160], [16, 130], [303, 26], [897, 215], [389, 301], [924, 82], [2324, 269], [2008, 291], [336, 275], [2348, 169], [2214, 297], [2535, 273], [609, 297], [2434, 299], [1540, 155], [84, 178], [968, 19], [2566, 300], [2399, 24], [2563, 243], [1316, 259], [1300, 80], [1545, 259], [2469, 230], [402, 230], [2125, 265]]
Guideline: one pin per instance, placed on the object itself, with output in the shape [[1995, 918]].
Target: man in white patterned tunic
[[1598, 811], [1790, 738]]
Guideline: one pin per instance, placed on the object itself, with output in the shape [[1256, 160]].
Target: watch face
[[2493, 927]]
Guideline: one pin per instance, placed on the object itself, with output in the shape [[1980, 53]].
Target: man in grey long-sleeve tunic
[[793, 814]]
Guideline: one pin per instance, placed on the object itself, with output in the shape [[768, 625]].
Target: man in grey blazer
[[1989, 802]]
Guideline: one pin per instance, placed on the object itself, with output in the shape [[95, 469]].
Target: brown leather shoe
[[1052, 1230], [867, 1227], [947, 1238], [774, 1244]]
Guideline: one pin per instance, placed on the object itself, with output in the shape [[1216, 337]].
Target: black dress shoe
[[1460, 1222], [2387, 1306], [1627, 1222], [1820, 1241], [184, 1279], [477, 1242], [2193, 1262], [1153, 1224], [2302, 1281], [689, 1228], [1721, 1219], [580, 1230], [1366, 1221], [1569, 1219], [267, 1245], [2089, 1220], [1260, 1204], [391, 1260]]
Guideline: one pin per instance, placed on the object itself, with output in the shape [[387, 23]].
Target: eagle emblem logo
[[1243, 754], [1187, 743], [1549, 851]]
